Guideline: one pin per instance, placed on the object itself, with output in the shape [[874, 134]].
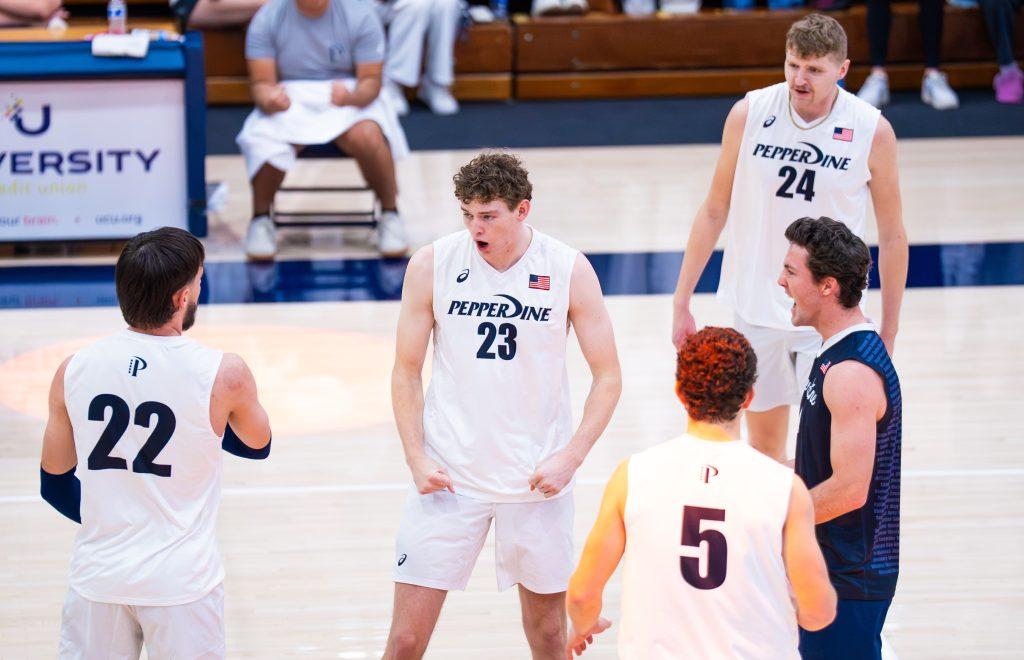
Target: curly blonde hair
[[493, 175]]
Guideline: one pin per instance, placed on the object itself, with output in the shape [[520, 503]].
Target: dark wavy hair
[[715, 370], [493, 175], [834, 251]]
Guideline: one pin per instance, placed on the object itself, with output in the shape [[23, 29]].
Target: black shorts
[[856, 633]]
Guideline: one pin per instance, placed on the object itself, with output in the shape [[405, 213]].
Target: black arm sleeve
[[232, 444], [63, 492]]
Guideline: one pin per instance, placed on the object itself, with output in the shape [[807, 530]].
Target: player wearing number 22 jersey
[[493, 440], [713, 535], [142, 417]]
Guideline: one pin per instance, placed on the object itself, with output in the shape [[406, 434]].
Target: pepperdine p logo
[[135, 365], [706, 472], [15, 112]]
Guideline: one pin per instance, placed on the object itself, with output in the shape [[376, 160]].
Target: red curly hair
[[715, 370]]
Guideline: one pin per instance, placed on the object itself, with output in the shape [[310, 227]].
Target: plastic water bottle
[[117, 17], [500, 8]]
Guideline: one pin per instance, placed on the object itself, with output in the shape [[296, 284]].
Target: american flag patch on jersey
[[844, 134], [542, 282], [824, 367]]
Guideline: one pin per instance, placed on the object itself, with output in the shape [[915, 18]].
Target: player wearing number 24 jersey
[[803, 147], [713, 535], [142, 417]]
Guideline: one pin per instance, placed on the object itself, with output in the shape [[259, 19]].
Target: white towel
[[120, 45], [311, 119]]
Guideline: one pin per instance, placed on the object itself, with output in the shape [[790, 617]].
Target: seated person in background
[[315, 68], [223, 13], [26, 12], [999, 18], [410, 23]]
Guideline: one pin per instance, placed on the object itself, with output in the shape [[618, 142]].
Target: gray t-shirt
[[324, 48]]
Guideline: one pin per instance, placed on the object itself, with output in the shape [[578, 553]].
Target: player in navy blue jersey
[[848, 441]]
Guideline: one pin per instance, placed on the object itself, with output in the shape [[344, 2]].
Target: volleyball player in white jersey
[[493, 440], [141, 413], [804, 147], [714, 536]]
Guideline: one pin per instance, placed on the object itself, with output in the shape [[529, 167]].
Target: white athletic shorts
[[784, 359], [92, 630], [441, 536]]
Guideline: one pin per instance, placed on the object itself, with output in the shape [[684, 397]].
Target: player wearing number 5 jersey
[[804, 147], [713, 535], [493, 438], [140, 417]]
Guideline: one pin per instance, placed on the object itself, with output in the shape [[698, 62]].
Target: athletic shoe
[[261, 239], [391, 235], [875, 90], [559, 7], [1009, 86], [936, 92], [481, 14], [438, 98], [395, 97]]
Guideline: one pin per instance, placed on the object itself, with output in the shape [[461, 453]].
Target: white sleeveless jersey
[[784, 173], [150, 466], [703, 575], [498, 400]]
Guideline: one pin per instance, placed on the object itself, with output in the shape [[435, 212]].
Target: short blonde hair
[[817, 35]]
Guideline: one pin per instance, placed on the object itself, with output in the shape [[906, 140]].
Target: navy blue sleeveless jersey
[[861, 547]]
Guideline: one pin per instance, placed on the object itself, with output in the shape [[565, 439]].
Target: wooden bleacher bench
[[608, 54], [723, 52]]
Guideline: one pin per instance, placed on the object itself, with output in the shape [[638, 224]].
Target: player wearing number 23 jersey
[[493, 440]]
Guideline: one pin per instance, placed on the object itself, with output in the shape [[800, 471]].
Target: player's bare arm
[[893, 252], [708, 224], [855, 396], [415, 322], [58, 484], [593, 326], [601, 556], [236, 411], [805, 566]]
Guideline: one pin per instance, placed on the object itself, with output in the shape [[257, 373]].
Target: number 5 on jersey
[[717, 548]]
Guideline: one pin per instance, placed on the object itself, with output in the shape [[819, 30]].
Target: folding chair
[[284, 218]]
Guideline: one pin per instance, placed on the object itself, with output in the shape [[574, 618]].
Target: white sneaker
[[438, 98], [391, 235], [261, 239], [875, 90], [394, 95], [481, 14], [936, 92], [558, 7]]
